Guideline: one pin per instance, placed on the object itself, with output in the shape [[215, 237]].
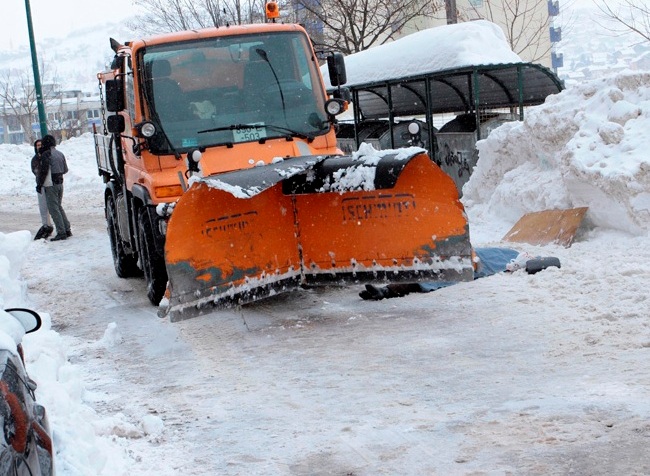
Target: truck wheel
[[126, 266], [153, 264]]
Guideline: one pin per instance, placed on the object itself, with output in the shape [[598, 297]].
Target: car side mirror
[[343, 94], [30, 320]]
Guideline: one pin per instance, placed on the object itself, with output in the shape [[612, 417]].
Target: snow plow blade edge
[[238, 237]]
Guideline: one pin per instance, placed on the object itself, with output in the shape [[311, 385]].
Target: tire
[[126, 266], [152, 262]]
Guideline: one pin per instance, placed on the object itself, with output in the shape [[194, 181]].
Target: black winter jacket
[[51, 158], [36, 165]]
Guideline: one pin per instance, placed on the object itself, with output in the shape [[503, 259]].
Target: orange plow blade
[[238, 237]]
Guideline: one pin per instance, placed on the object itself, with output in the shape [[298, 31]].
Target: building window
[[553, 8], [13, 123]]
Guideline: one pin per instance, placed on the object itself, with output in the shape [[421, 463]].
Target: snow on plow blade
[[237, 237]]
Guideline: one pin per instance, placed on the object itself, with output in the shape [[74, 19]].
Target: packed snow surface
[[510, 374]]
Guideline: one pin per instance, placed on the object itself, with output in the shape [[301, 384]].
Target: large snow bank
[[79, 152], [80, 447], [586, 146]]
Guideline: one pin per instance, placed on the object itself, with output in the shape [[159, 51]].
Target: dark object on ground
[[59, 237], [491, 261], [538, 264], [25, 443], [68, 233], [44, 232], [391, 291]]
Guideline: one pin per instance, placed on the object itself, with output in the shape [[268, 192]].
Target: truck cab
[[201, 103]]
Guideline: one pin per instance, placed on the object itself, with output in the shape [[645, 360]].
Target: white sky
[[55, 19]]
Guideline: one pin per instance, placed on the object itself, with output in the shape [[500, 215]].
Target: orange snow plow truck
[[224, 182]]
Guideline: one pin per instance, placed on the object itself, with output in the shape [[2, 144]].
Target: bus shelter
[[453, 108]]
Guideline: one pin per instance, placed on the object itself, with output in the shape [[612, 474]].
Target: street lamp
[[37, 78]]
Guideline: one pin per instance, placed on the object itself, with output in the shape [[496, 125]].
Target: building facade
[[68, 113], [529, 25]]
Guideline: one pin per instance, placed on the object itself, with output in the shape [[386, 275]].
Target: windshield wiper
[[273, 127]]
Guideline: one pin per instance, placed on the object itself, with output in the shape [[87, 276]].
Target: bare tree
[[630, 16], [163, 16], [524, 22], [18, 94], [351, 26]]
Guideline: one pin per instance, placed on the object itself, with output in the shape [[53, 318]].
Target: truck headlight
[[335, 106], [146, 129]]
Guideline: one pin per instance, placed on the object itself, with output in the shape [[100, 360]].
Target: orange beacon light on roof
[[272, 10]]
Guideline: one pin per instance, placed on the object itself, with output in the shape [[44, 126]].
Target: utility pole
[[37, 78], [450, 9]]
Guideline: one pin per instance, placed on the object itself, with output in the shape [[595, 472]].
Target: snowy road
[[512, 374]]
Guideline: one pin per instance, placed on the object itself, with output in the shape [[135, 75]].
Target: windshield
[[232, 89]]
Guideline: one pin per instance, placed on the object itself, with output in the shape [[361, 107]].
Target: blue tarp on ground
[[491, 261]]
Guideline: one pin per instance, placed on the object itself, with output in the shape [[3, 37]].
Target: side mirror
[[343, 94], [115, 95], [118, 63], [336, 69], [30, 320], [115, 124]]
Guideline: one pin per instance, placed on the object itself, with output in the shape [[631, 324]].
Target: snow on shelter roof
[[469, 65], [434, 49]]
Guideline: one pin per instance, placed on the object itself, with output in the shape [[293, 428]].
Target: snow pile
[[434, 49], [586, 146], [82, 178], [12, 253], [361, 176], [60, 389]]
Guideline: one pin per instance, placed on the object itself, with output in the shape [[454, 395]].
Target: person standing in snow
[[50, 179], [46, 229]]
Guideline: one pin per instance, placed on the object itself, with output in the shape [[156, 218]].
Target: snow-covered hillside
[[72, 61]]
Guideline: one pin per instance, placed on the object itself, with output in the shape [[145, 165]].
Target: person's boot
[[40, 233], [59, 237], [68, 233], [43, 232]]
